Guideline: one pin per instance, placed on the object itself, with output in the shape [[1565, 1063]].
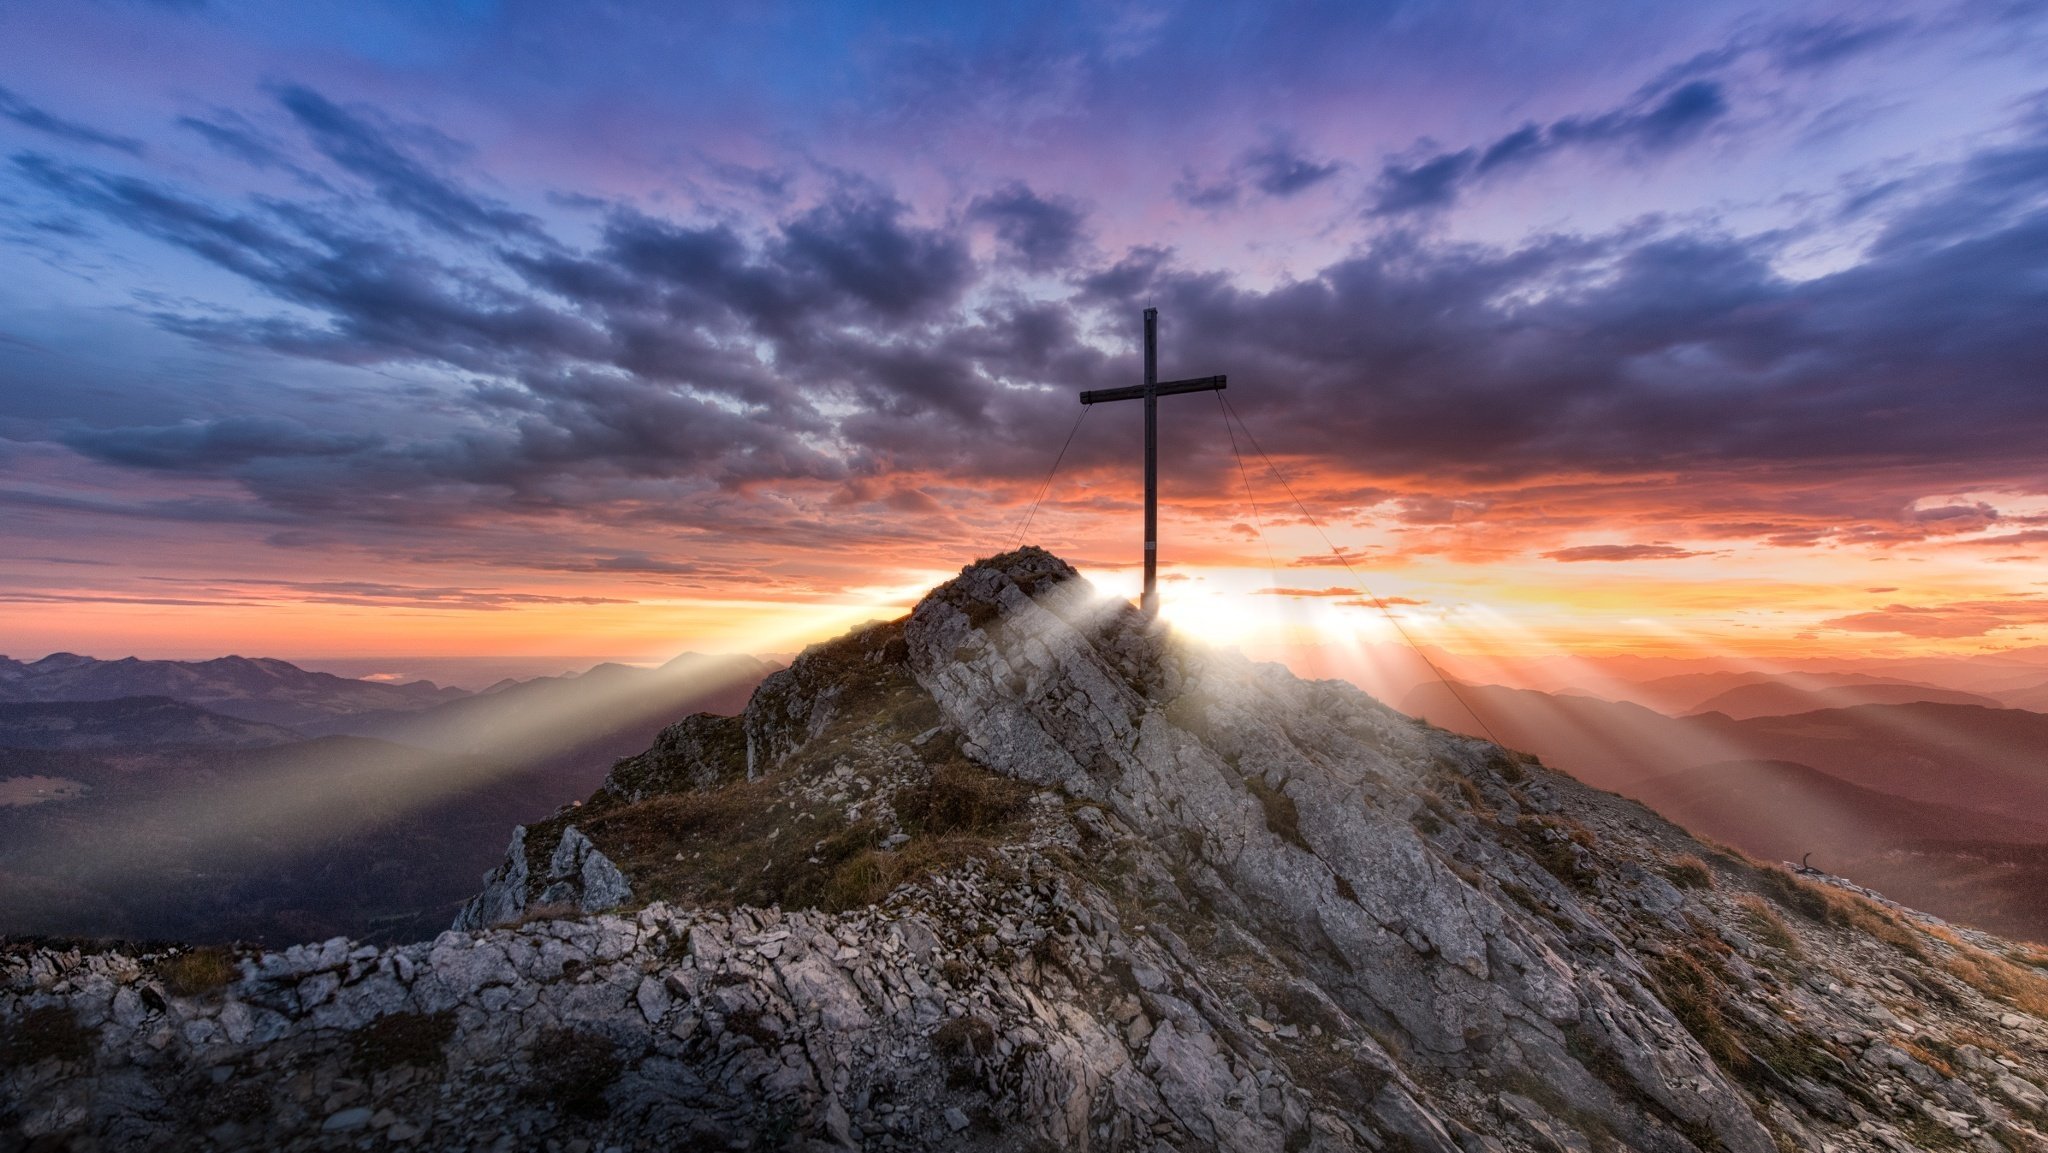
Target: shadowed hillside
[[1914, 799]]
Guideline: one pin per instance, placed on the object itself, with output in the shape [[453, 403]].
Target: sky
[[623, 329]]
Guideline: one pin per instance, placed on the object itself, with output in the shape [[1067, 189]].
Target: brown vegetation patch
[[2019, 985], [51, 1032], [1508, 764], [1473, 800], [1695, 986], [1789, 892], [195, 971], [406, 1038], [748, 843], [1283, 817], [1857, 912], [961, 1043], [1689, 872], [1551, 841], [1927, 1056], [1766, 926], [960, 798], [571, 1069]]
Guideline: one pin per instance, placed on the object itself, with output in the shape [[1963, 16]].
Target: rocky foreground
[[1023, 871]]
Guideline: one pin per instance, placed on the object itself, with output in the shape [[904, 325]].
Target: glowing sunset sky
[[549, 328]]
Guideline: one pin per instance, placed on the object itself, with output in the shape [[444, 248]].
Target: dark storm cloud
[[1653, 123], [1672, 120], [1802, 47], [19, 110], [2002, 184], [1209, 196], [210, 445], [858, 246], [231, 134], [671, 366], [1127, 278], [1279, 168], [1635, 353], [384, 300], [359, 146], [1432, 182], [852, 257], [1041, 233]]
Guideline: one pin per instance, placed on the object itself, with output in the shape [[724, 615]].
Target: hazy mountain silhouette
[[2033, 697], [129, 723], [376, 833], [585, 721], [1778, 698], [1992, 760], [1684, 693], [1932, 803], [257, 689], [1783, 810], [308, 840]]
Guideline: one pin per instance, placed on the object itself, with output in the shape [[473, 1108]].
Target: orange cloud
[[1618, 552]]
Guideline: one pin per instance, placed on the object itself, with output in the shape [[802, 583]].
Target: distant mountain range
[[1754, 694], [1911, 798], [130, 723], [254, 689], [559, 713], [373, 814], [253, 798], [1778, 699]]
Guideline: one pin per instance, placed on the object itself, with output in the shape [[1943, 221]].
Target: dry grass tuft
[[51, 1032], [395, 1039], [1283, 818], [748, 843], [1927, 1056], [1689, 872], [196, 971], [1789, 892], [961, 1042], [1764, 923], [960, 798], [1551, 840], [572, 1068], [1994, 976], [1866, 915]]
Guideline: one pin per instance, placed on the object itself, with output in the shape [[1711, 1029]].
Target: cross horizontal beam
[[1163, 388]]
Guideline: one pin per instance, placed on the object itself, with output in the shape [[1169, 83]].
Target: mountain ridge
[[1022, 870], [123, 722], [261, 689]]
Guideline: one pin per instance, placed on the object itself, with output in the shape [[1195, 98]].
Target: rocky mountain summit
[[1023, 870]]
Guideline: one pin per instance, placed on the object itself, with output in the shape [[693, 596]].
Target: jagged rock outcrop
[[1025, 871], [578, 876]]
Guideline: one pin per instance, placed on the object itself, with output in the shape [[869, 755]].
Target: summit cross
[[1150, 392]]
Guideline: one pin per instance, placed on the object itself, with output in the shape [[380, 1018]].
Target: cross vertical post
[[1150, 600], [1150, 392]]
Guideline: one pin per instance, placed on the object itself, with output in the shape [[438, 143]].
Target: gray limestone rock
[[505, 889], [580, 875]]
